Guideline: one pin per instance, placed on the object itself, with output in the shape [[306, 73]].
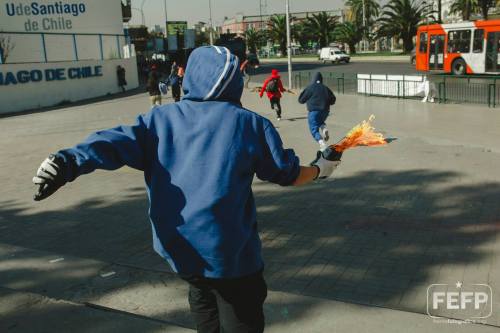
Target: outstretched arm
[[304, 96], [264, 86], [281, 166], [108, 149], [307, 175]]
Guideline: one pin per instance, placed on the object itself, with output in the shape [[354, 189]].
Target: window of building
[[459, 41], [477, 44], [423, 42]]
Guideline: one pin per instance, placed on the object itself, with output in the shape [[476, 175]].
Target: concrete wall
[[48, 91]]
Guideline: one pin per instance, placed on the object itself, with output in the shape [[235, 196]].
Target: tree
[[349, 33], [254, 39], [372, 11], [6, 46], [277, 31], [302, 35], [464, 7], [484, 6], [400, 18], [321, 26]]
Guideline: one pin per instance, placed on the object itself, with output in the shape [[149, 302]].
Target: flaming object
[[361, 135]]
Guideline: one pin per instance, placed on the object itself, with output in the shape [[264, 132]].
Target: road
[[356, 66]]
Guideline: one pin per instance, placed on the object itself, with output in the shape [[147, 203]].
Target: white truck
[[333, 54]]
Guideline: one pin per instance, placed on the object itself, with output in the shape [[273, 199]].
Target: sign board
[[189, 38], [62, 16], [172, 42], [174, 27]]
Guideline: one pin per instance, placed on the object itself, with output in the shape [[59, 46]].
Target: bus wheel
[[458, 67]]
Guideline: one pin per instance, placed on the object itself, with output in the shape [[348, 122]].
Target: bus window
[[459, 41], [423, 42], [477, 44]]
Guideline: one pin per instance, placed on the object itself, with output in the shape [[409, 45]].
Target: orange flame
[[361, 135]]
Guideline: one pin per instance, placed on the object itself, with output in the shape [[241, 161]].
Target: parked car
[[333, 54]]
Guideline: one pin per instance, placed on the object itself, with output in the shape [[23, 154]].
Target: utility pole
[[211, 23], [142, 12], [439, 11], [166, 20], [364, 26], [260, 13], [289, 44]]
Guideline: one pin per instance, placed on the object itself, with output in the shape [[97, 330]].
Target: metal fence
[[446, 88], [30, 47]]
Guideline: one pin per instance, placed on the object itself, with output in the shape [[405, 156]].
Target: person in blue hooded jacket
[[199, 157], [319, 98]]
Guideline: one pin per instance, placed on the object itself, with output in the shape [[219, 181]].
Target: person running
[[199, 157], [153, 86], [319, 98], [274, 89]]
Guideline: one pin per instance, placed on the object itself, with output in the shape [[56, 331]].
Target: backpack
[[272, 86]]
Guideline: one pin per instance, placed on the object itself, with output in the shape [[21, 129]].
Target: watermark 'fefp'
[[472, 301]]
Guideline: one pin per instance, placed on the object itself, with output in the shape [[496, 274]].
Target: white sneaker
[[322, 145], [323, 131], [279, 118]]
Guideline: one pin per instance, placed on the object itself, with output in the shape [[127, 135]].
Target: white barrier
[[390, 85]]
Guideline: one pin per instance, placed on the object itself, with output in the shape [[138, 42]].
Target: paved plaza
[[354, 253]]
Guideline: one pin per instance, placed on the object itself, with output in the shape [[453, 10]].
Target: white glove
[[326, 161], [49, 177]]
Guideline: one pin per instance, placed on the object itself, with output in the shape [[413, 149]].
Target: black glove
[[326, 161], [49, 177], [331, 154]]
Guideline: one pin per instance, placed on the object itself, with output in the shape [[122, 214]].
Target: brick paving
[[391, 222]]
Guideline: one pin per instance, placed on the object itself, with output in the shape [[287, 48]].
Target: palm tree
[[253, 39], [321, 26], [400, 18], [302, 35], [349, 33], [277, 31], [464, 7], [372, 10]]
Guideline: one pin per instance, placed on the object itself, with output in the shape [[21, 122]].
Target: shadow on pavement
[[109, 97], [371, 238]]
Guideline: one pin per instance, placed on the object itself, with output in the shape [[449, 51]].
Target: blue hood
[[317, 78], [212, 74]]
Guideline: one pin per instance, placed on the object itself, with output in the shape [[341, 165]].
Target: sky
[[197, 10]]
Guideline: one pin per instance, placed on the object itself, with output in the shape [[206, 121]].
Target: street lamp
[[211, 23], [289, 44], [142, 11], [166, 20]]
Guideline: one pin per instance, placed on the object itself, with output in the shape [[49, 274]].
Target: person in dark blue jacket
[[319, 98], [199, 157]]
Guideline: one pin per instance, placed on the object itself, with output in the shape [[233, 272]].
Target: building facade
[[240, 23], [54, 52]]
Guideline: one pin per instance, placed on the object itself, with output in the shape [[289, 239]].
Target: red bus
[[459, 48]]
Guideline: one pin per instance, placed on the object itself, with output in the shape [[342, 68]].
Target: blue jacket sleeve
[[276, 165], [109, 149], [304, 95]]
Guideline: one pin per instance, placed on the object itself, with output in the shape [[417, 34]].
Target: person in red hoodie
[[274, 87]]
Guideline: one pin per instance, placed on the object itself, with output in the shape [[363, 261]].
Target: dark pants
[[275, 105], [176, 92], [228, 305]]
